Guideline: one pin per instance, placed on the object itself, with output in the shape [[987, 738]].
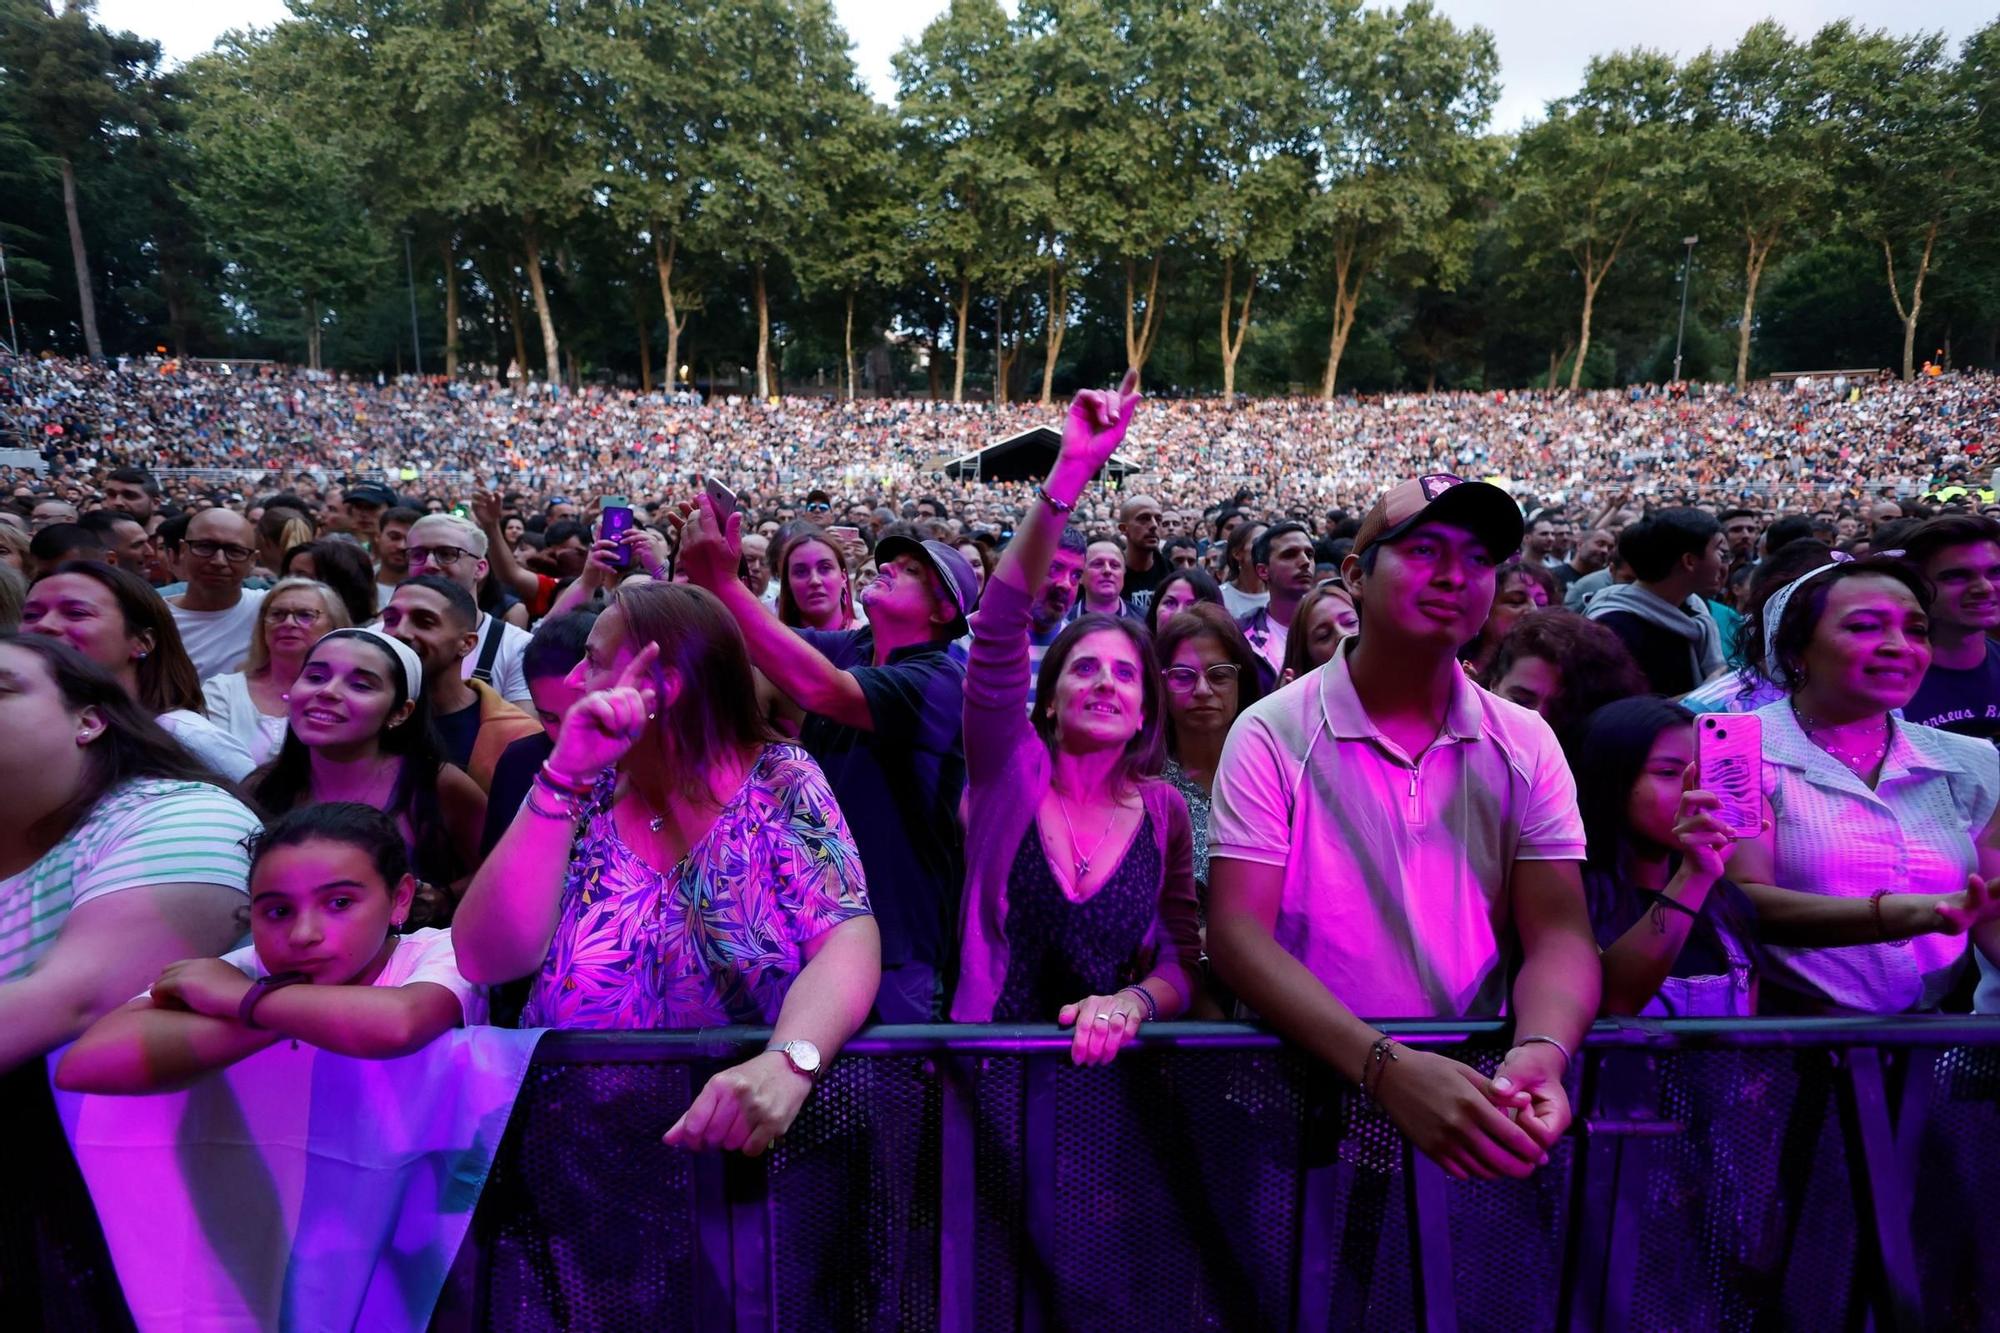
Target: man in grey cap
[[884, 709]]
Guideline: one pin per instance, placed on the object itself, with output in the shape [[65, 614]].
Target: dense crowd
[[806, 747]]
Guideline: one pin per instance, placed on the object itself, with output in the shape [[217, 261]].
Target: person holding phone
[[1879, 835]]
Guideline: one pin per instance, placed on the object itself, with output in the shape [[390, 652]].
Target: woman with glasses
[[1080, 902], [1211, 677], [251, 704], [114, 618]]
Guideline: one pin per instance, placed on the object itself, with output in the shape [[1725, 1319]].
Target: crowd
[[827, 741]]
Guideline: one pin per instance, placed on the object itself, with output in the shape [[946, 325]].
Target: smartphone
[[615, 521], [842, 534], [723, 498], [1729, 761]]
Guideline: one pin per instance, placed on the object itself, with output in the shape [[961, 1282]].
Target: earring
[[139, 656]]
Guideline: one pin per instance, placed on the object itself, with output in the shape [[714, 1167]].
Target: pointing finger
[[638, 673]]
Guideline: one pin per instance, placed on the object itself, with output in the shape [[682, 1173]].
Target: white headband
[[1773, 614], [413, 668]]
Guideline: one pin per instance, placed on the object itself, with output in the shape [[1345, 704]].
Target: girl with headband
[[360, 730]]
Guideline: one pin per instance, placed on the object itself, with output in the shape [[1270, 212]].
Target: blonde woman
[[250, 704]]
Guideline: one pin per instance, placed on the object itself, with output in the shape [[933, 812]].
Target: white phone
[[1729, 761]]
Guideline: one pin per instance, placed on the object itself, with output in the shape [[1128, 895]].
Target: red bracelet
[[1882, 926]]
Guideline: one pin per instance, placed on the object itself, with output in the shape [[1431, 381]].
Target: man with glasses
[[217, 614], [455, 549]]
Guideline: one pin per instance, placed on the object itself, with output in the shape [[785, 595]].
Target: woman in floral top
[[676, 866]]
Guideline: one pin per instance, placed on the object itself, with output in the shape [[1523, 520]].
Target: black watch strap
[[261, 987]]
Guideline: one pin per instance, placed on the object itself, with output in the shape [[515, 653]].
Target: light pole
[[416, 339], [1680, 333]]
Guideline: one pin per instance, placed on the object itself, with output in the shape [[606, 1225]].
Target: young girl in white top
[[329, 885]]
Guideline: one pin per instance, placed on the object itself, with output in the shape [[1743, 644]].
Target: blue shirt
[[899, 786]]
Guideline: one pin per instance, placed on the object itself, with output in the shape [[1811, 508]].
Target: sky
[[1543, 44]]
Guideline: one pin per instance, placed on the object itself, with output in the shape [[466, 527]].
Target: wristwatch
[[803, 1056]]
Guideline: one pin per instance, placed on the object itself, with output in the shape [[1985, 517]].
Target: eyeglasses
[[301, 616], [818, 508], [1222, 675], [446, 556], [235, 555]]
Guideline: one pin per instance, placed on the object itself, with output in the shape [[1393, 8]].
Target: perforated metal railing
[[1770, 1174]]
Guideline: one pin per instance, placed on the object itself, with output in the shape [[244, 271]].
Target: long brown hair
[[167, 678], [716, 711], [788, 609], [1146, 752], [1206, 621]]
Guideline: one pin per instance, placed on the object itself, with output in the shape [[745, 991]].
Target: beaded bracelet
[[1380, 1056], [562, 781], [1145, 998], [571, 807], [1052, 502]]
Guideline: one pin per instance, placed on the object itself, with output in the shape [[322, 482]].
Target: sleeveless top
[[1058, 950]]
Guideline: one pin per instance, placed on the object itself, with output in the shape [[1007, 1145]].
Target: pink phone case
[[1729, 762]]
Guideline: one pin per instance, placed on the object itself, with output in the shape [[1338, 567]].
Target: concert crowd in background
[[1293, 724]]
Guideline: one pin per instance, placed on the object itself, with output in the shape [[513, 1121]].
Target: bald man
[[1139, 521], [216, 615]]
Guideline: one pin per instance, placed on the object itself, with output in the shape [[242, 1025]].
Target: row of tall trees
[[583, 186]]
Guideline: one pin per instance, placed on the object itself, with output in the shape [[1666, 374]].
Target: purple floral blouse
[[717, 939]]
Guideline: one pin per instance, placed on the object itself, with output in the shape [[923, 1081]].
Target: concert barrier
[[1721, 1174]]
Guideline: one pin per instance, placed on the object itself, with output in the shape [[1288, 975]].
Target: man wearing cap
[[364, 503], [884, 711], [1390, 841], [446, 545]]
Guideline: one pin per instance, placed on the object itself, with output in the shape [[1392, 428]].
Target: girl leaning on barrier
[[1079, 897], [677, 866]]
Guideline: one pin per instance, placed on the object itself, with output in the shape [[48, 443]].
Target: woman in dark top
[[1678, 938]]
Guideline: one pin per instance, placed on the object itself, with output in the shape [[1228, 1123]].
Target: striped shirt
[[146, 832]]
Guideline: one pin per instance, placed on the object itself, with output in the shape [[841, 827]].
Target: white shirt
[[1396, 872], [218, 641], [221, 752], [231, 708], [421, 955], [1240, 604], [1913, 833], [508, 678]]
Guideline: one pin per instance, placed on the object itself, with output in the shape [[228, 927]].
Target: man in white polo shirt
[[449, 546], [1390, 840]]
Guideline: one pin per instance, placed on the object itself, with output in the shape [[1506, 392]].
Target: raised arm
[[1096, 425], [709, 554], [504, 924], [109, 950], [499, 556]]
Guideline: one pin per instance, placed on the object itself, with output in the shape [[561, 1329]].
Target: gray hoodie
[[1690, 620]]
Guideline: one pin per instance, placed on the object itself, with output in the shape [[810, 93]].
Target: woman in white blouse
[[250, 704], [1882, 834]]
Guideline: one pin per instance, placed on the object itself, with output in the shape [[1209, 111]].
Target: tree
[[855, 246], [1403, 96], [1762, 152], [1606, 160], [77, 84]]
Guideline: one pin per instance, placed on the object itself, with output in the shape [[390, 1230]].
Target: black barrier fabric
[[1772, 1176]]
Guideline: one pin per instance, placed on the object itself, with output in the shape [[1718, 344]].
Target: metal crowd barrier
[[1819, 1173]]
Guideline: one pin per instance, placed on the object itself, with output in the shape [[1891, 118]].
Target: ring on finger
[[1102, 1017]]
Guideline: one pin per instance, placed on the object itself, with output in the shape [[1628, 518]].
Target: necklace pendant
[[656, 823]]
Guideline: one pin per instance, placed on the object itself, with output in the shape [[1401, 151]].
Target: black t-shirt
[[1141, 583], [1967, 702], [459, 731], [899, 787], [1666, 657], [512, 776]]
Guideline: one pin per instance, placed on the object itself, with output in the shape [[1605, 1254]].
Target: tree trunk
[[1004, 353], [762, 299], [1058, 326], [447, 251], [663, 261], [1232, 345], [312, 335], [1347, 275], [551, 349], [934, 369], [1908, 314], [1583, 335], [959, 337], [1139, 342], [1753, 270], [848, 360], [86, 299], [1556, 360], [520, 328]]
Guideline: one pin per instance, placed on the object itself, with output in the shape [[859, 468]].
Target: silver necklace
[[1075, 848], [1857, 759]]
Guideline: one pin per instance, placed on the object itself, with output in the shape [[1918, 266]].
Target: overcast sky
[[1543, 43]]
